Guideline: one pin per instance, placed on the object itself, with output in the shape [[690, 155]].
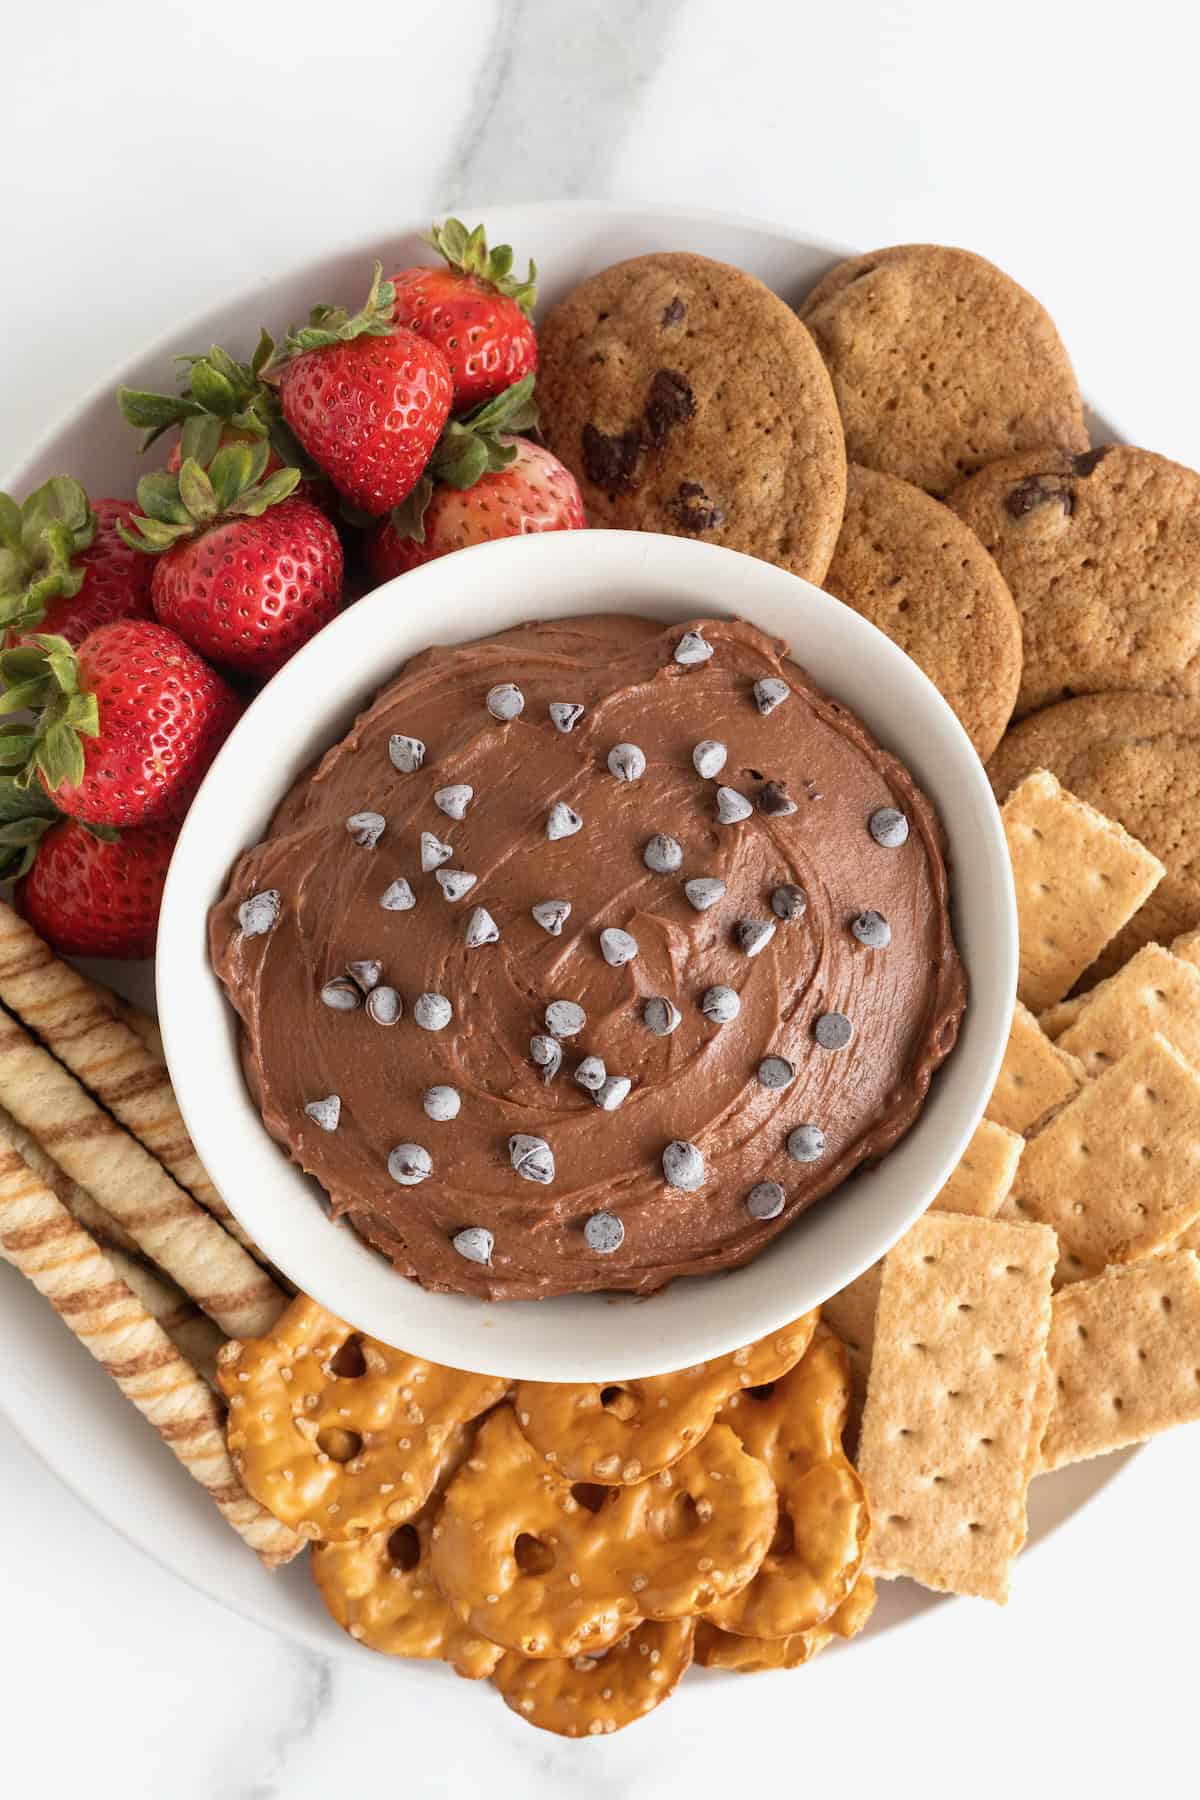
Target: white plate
[[56, 1397]]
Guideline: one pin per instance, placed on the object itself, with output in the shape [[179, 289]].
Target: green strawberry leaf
[[200, 439], [329, 325], [60, 757], [469, 253], [196, 491], [227, 484], [39, 542], [475, 444], [16, 806], [277, 487], [408, 519], [230, 473]]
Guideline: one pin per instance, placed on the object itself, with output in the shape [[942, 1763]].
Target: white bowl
[[309, 706]]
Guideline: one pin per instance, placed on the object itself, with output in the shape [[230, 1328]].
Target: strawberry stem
[[467, 251]]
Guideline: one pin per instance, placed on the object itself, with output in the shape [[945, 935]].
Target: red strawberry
[[124, 729], [473, 310], [246, 571], [93, 896], [534, 492], [64, 566], [366, 399]]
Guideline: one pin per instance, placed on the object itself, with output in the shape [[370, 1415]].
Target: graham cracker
[[979, 1184], [1124, 1350], [851, 1316], [1034, 1077], [960, 1338], [1056, 1018], [1117, 1171], [1155, 991], [1187, 945], [1079, 877]]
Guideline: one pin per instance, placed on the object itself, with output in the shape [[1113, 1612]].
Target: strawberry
[[222, 401], [473, 310], [64, 566], [366, 399], [533, 492], [246, 571], [93, 895], [153, 714]]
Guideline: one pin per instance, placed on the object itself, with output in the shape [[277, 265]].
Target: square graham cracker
[[954, 1400], [980, 1182], [1079, 877], [1155, 991], [1117, 1171], [1035, 1076], [1124, 1352], [1056, 1018], [1187, 945]]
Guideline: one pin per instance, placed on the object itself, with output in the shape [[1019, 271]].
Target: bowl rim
[[197, 1060]]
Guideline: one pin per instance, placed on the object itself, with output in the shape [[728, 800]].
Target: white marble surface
[[159, 155]]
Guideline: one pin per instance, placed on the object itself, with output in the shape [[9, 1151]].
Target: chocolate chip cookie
[[687, 398], [1135, 757], [941, 363], [1102, 553], [914, 570]]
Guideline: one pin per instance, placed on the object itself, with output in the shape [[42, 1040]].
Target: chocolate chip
[[693, 648], [753, 935], [775, 1072], [481, 929], [326, 1112], [720, 1004], [612, 1093], [769, 693], [367, 973], [673, 311], [1039, 490], [564, 1019], [704, 891], [693, 511], [398, 897], [663, 854], [552, 915], [611, 461], [409, 1164], [406, 753], [434, 852], [366, 828], [789, 901], [505, 701], [257, 914], [765, 1200], [806, 1143], [627, 762], [341, 994], [566, 714], [532, 1158], [454, 883], [1090, 460], [872, 929], [833, 1031], [546, 1052], [617, 947], [432, 1012], [661, 1016], [604, 1233], [591, 1074], [563, 821], [476, 1244], [670, 403], [775, 801], [708, 758], [442, 1103], [888, 827], [732, 807], [384, 1006], [683, 1166], [454, 800]]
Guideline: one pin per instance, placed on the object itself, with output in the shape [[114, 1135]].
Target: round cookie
[[1135, 757], [1102, 554], [687, 398], [916, 572], [941, 363]]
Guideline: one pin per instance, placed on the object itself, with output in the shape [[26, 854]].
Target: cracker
[[1124, 1350], [1056, 1018], [1155, 991], [1187, 945], [960, 1337], [851, 1316], [1079, 877], [1117, 1171], [1034, 1077], [979, 1183]]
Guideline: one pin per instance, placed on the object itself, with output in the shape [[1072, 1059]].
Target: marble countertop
[[165, 156]]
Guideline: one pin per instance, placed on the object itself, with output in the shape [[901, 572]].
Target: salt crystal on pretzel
[[717, 1649], [794, 1426], [337, 1434], [380, 1589], [618, 1432], [41, 1239], [522, 1557], [593, 1696]]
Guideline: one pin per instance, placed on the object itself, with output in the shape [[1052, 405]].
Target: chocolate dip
[[468, 1152]]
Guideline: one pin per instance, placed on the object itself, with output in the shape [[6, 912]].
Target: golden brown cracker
[[960, 1337], [1056, 1018], [1034, 1077], [1155, 991], [1117, 1171], [1078, 876], [979, 1183], [1124, 1350], [1187, 945]]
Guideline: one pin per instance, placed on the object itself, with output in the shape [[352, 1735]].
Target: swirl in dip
[[744, 1044]]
